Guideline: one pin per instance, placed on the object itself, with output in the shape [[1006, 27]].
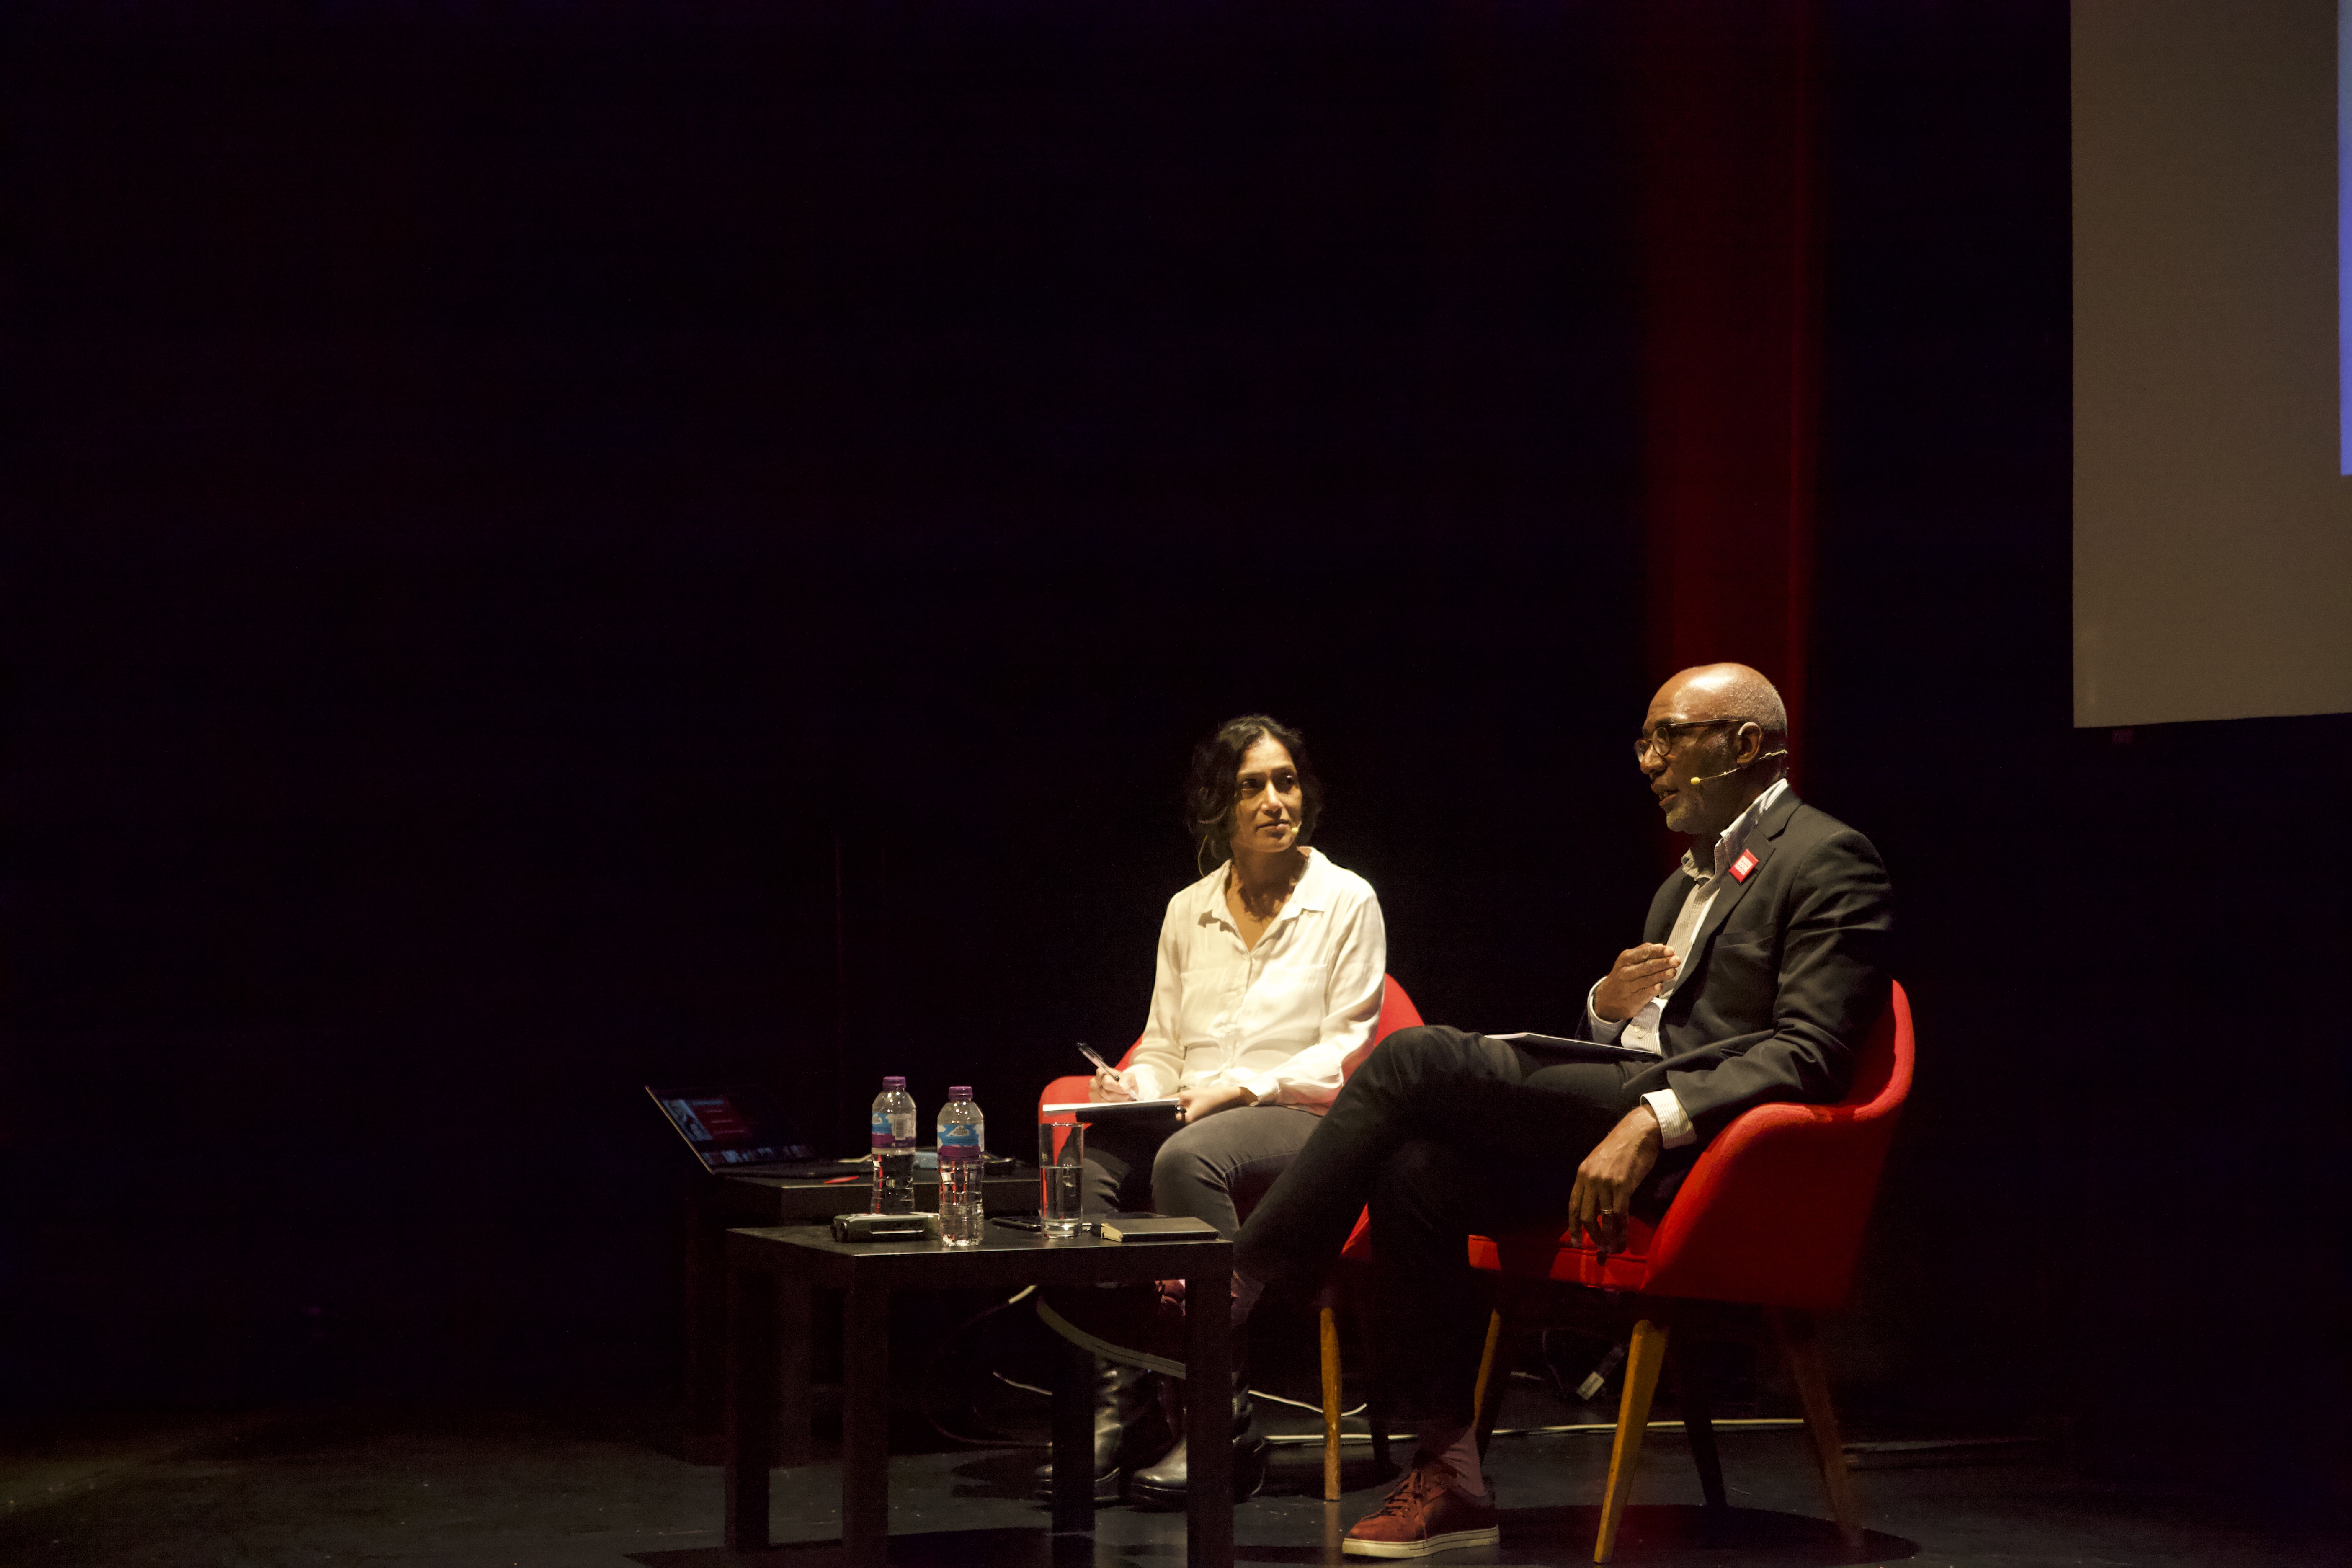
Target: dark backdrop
[[545, 554]]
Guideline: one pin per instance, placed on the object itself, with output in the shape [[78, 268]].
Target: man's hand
[[1605, 1181], [1639, 973], [1191, 1104], [1109, 1086]]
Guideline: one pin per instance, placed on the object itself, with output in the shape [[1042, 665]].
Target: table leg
[[704, 1437], [1208, 1417], [1074, 1438], [751, 1405], [866, 1426], [794, 1325]]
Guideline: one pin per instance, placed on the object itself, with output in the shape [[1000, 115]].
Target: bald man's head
[[1733, 691], [1722, 733]]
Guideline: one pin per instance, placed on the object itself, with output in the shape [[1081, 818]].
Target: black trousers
[[1442, 1133], [1214, 1169]]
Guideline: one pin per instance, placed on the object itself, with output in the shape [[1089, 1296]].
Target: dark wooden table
[[721, 1204], [773, 1273]]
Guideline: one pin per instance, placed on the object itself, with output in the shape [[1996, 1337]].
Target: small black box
[[886, 1227]]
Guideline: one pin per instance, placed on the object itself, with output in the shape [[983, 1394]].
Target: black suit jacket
[[1784, 980]]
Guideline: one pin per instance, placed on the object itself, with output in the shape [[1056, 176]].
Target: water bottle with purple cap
[[963, 1151]]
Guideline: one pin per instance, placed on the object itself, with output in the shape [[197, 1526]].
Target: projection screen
[[2212, 516]]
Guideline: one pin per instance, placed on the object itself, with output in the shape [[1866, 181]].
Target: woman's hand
[[1109, 1086], [1191, 1104]]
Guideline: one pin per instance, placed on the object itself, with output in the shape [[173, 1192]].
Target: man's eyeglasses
[[1660, 738]]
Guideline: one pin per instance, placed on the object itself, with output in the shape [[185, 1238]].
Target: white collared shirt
[[1640, 1033], [1277, 1019]]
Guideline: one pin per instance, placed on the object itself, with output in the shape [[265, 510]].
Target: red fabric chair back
[[1773, 1211], [1397, 1012]]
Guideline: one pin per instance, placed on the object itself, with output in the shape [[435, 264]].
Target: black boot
[[1126, 1428], [1162, 1483]]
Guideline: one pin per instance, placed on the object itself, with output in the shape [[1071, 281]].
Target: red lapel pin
[[1743, 865]]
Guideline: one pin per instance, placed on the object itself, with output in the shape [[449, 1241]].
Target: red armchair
[[1771, 1216], [1397, 1012]]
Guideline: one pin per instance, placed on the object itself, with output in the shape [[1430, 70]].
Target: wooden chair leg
[[1647, 1354], [1794, 1329], [1699, 1421], [1487, 1394], [1348, 1284], [1329, 1322]]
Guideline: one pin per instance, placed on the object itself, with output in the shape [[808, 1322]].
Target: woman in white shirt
[[1270, 969], [1270, 974]]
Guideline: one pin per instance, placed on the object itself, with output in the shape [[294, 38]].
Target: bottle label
[[958, 1145], [889, 1131]]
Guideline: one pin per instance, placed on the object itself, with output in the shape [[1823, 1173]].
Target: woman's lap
[[1212, 1169]]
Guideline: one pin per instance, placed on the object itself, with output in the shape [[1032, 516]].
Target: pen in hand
[[1125, 1081]]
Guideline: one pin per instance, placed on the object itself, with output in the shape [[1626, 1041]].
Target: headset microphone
[[1697, 779]]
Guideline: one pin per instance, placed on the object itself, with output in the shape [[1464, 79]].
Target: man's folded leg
[[1430, 1307], [1303, 1221], [1509, 1170], [1443, 1084], [1441, 1501]]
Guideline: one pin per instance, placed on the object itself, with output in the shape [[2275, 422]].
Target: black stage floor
[[569, 1489]]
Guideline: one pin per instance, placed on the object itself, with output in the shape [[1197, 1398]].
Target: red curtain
[[1725, 110]]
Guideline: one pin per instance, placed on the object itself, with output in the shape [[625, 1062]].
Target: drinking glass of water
[[1061, 1160]]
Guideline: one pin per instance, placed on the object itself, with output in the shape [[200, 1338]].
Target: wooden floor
[[573, 1488]]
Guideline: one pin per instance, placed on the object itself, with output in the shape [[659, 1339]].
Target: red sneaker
[[1423, 1514]]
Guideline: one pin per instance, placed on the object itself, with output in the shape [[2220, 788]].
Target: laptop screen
[[739, 1125]]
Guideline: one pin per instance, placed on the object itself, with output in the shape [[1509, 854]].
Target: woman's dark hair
[[1217, 764]]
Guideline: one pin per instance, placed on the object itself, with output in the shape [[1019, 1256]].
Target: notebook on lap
[[1579, 1050]]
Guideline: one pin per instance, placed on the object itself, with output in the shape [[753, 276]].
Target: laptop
[[740, 1131]]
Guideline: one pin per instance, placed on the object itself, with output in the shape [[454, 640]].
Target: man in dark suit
[[1759, 972]]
